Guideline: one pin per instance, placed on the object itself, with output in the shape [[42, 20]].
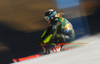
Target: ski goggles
[[47, 18]]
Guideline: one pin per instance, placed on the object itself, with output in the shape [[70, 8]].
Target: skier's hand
[[40, 42]]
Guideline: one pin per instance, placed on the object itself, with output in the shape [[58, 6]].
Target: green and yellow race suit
[[59, 24]]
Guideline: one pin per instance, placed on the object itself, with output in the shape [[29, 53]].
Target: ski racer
[[60, 30]]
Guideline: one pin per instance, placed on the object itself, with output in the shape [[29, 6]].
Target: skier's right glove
[[40, 42]]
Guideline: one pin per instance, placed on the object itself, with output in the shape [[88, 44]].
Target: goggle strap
[[52, 14]]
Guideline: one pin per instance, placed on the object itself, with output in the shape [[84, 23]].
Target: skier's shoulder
[[62, 19]]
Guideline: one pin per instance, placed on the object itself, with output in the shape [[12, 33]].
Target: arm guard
[[50, 32]]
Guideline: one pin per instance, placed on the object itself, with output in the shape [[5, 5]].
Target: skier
[[60, 29]]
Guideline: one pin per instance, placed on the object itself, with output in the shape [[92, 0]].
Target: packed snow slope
[[86, 54]]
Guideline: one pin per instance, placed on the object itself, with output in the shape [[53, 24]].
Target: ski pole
[[64, 43]]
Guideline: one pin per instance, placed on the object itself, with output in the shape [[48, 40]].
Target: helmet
[[50, 14]]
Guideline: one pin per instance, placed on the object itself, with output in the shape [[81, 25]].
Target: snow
[[87, 54]]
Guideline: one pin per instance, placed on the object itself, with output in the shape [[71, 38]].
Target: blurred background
[[22, 23]]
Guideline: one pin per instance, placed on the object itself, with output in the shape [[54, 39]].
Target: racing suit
[[60, 31]]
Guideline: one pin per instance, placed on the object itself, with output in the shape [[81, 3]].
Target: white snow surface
[[87, 54]]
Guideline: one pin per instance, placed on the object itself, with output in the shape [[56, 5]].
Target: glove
[[40, 42]]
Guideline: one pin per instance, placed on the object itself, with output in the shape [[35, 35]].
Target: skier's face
[[49, 21]]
